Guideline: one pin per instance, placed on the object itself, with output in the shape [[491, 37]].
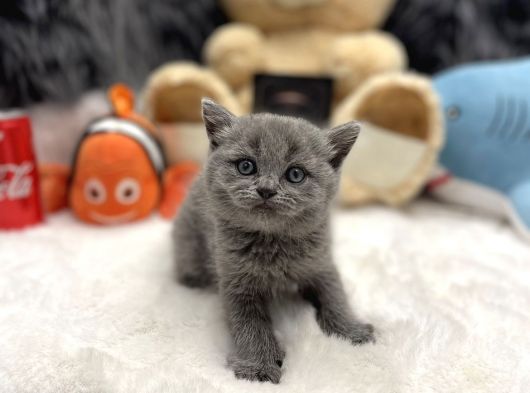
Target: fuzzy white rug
[[86, 309]]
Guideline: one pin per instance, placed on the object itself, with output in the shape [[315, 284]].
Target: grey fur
[[254, 249], [58, 49]]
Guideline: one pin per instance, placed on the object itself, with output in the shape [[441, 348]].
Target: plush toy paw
[[176, 183], [256, 370], [401, 135], [54, 186], [235, 52], [174, 91]]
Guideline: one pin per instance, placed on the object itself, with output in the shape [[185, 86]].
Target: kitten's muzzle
[[266, 193]]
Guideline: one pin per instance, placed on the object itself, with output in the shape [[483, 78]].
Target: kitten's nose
[[266, 193]]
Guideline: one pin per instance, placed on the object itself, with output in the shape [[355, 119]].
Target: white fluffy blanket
[[86, 309]]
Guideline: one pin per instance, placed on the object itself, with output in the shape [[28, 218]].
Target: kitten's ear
[[217, 120], [341, 139]]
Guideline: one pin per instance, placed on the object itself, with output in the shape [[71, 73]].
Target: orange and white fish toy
[[119, 172]]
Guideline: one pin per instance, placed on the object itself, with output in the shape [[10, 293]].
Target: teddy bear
[[338, 39]]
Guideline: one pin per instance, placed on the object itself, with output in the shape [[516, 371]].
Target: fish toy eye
[[127, 191], [453, 112], [94, 191]]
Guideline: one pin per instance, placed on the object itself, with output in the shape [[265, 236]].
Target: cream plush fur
[[335, 38], [409, 157], [91, 310], [304, 37]]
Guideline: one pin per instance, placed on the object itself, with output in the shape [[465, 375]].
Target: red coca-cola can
[[20, 203]]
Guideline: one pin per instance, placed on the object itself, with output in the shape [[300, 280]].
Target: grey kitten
[[255, 224]]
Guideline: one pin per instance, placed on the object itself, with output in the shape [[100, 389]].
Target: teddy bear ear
[[341, 139], [217, 121]]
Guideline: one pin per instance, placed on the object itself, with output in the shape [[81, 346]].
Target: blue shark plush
[[486, 158]]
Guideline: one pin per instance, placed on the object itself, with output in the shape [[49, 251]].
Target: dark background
[[54, 50]]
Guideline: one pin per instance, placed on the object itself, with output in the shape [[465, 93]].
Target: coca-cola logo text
[[15, 181]]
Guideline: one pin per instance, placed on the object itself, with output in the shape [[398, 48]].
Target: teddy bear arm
[[236, 52], [355, 57]]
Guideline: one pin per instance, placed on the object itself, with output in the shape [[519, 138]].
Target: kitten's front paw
[[253, 370], [356, 332], [362, 333], [279, 356]]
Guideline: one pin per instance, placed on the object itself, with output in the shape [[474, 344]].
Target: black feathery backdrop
[[442, 33], [57, 49]]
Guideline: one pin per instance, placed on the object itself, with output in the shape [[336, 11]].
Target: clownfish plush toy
[[119, 172]]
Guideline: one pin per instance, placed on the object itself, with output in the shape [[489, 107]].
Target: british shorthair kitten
[[255, 224]]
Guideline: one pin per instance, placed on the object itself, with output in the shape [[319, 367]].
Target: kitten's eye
[[295, 174], [246, 167]]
